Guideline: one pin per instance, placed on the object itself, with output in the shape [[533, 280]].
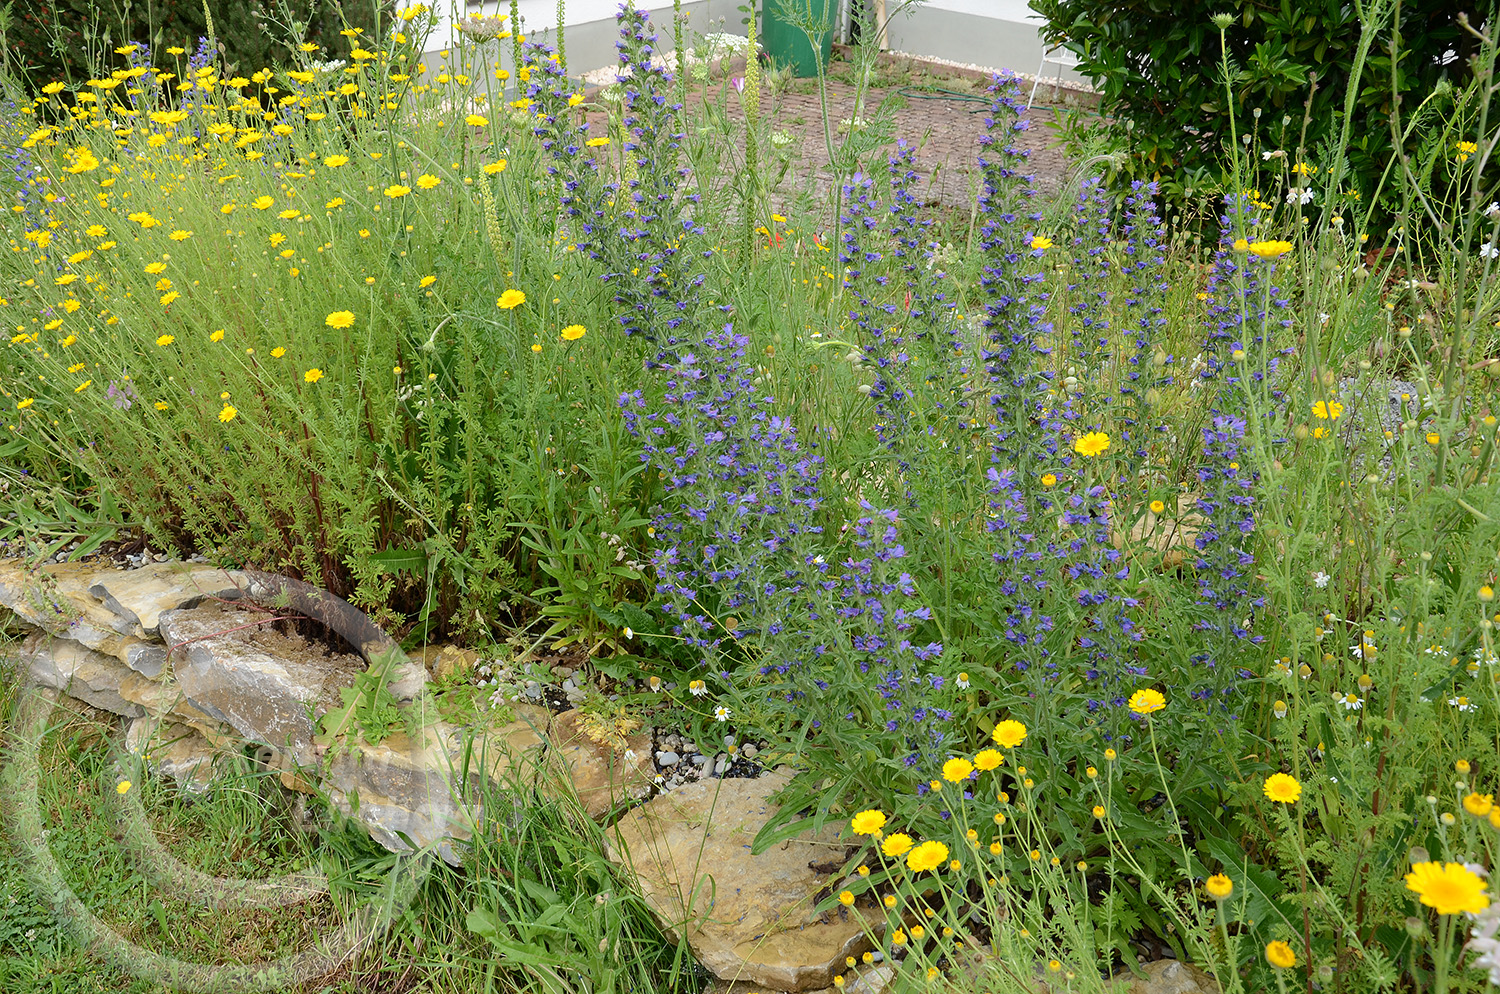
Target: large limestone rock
[[448, 663], [172, 750], [1169, 535], [55, 598], [1166, 976], [112, 611], [268, 687], [90, 676], [426, 788], [138, 597], [746, 917], [604, 775], [184, 653]]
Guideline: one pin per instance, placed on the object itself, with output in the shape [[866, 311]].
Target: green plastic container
[[786, 42]]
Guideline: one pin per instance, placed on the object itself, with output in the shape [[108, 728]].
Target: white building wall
[[998, 34]]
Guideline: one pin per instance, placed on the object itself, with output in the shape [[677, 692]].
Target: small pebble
[[668, 758], [750, 751]]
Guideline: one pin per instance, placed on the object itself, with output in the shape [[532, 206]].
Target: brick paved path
[[946, 131], [945, 127]]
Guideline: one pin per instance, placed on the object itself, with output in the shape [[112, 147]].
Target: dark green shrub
[[1159, 65], [70, 39]]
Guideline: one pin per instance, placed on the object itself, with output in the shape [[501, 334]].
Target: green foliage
[[1316, 81], [71, 40], [368, 709], [539, 896]]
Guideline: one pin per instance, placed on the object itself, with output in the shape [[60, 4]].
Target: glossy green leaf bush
[[1299, 75]]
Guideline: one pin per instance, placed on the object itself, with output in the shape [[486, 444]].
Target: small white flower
[[721, 713], [962, 681], [655, 684], [1489, 251], [1462, 703], [1492, 210], [1351, 702], [697, 688], [1320, 579], [628, 633], [1484, 942], [1322, 318], [1434, 650], [1299, 196], [1279, 709], [629, 755]]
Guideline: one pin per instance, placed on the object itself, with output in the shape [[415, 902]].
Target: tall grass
[[1140, 489]]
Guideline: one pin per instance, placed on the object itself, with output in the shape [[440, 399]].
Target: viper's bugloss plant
[[657, 292], [1146, 361]]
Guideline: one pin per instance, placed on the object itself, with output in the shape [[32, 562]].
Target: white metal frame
[[1060, 57]]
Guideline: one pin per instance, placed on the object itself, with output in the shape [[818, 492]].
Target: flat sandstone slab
[[746, 917]]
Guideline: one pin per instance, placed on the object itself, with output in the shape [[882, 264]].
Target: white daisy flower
[[1462, 703], [697, 688], [1351, 702], [721, 713]]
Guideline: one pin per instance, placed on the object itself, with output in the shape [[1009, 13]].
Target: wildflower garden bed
[[1110, 575]]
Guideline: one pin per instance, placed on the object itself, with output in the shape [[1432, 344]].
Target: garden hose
[[938, 93]]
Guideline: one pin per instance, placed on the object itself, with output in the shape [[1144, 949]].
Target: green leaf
[[778, 830], [412, 561], [1257, 889]]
